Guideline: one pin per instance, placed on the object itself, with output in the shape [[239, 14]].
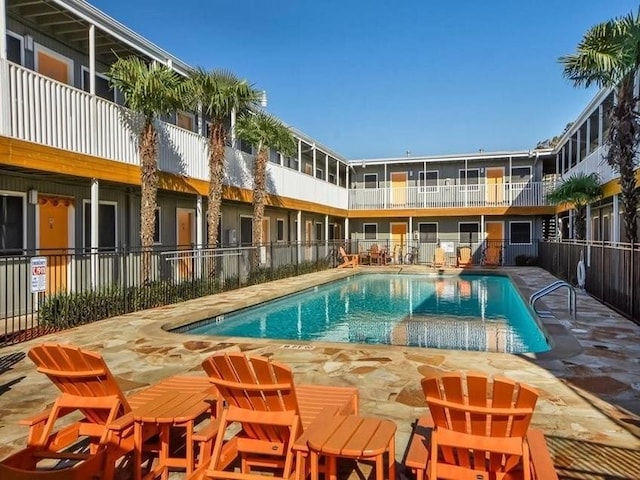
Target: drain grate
[[289, 346]]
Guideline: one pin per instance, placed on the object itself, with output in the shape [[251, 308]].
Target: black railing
[[44, 291], [612, 271]]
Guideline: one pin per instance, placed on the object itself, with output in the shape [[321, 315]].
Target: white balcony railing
[[594, 163], [51, 113], [529, 194]]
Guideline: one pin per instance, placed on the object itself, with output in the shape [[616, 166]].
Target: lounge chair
[[88, 387], [464, 257], [492, 256], [478, 429], [439, 257], [348, 260], [273, 412]]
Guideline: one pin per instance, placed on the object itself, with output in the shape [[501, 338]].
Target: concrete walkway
[[589, 384]]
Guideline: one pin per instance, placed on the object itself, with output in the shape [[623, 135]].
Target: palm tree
[[579, 190], [263, 131], [219, 93], [608, 56], [149, 90]]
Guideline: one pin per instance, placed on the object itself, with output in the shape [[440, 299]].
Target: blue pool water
[[470, 312]]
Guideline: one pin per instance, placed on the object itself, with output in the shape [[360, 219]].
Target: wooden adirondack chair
[[88, 387], [261, 396], [347, 259], [464, 257], [439, 258], [480, 430], [492, 256]]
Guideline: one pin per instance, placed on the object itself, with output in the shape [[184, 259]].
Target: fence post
[[271, 259], [125, 273], [602, 272], [632, 282]]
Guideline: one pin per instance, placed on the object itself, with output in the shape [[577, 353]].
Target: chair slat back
[[80, 373], [255, 384], [343, 254], [473, 404]]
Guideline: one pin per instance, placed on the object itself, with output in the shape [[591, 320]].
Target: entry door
[[398, 189], [398, 237], [495, 233], [53, 67], [186, 224], [54, 220], [495, 185]]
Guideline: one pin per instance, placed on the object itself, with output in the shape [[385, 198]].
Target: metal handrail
[[571, 299]]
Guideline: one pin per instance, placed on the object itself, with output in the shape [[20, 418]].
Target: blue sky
[[377, 78]]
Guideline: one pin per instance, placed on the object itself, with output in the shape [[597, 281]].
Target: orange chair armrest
[[540, 456], [418, 452], [121, 423], [208, 432], [37, 418]]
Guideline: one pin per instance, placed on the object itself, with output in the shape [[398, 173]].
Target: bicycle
[[411, 258]]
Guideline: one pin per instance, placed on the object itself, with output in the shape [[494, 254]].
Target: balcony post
[[232, 130], [588, 233], [326, 167], [587, 150], [326, 234], [600, 126], [200, 235], [5, 119], [95, 228], [314, 155], [299, 155], [92, 90], [299, 234], [615, 220]]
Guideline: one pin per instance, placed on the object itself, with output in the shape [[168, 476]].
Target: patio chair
[[493, 256], [273, 412], [479, 428], [439, 257], [376, 255], [348, 260], [87, 387], [464, 257]]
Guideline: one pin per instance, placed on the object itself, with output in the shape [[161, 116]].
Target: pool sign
[[38, 274]]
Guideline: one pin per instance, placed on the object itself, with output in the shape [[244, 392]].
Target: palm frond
[[578, 190], [263, 130]]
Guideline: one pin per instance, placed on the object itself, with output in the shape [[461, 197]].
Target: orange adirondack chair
[[464, 257], [88, 387], [261, 396], [492, 255], [480, 430], [348, 260]]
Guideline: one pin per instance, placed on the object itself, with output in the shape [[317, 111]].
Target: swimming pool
[[468, 312]]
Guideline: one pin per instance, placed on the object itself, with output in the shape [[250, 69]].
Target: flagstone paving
[[589, 385]]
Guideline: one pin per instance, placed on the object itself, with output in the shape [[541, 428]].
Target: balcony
[[51, 113], [531, 194], [594, 163]]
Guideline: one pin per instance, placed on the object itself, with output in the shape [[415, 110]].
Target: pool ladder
[[571, 299]]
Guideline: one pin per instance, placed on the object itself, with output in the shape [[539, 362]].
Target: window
[[156, 226], [12, 216], [103, 89], [471, 178], [106, 226], [332, 178], [14, 48], [319, 173], [520, 233], [246, 146], [53, 65], [280, 229], [520, 174], [318, 231], [370, 180], [428, 232], [274, 156], [246, 231], [428, 180], [185, 120], [468, 232], [370, 231]]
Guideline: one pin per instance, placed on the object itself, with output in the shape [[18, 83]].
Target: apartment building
[[64, 148]]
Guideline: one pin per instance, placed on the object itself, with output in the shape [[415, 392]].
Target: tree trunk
[[623, 137], [259, 197], [216, 175], [580, 222], [149, 189]]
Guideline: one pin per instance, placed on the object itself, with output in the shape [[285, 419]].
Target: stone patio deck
[[589, 384]]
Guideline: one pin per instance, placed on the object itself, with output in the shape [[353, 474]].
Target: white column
[[338, 172], [95, 228], [200, 235], [600, 125], [201, 129], [347, 235], [314, 153], [571, 236], [93, 147], [233, 128], [615, 221], [482, 233], [570, 152], [5, 119], [588, 233], [326, 167], [587, 147], [387, 188], [299, 234], [326, 232], [410, 242], [299, 155], [281, 159], [578, 149], [564, 160]]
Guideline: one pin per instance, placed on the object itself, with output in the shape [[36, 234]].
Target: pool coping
[[562, 342]]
